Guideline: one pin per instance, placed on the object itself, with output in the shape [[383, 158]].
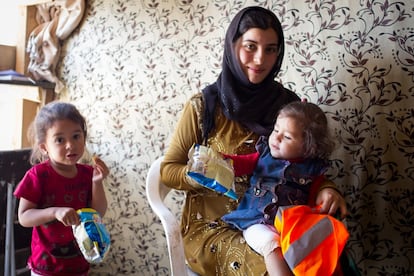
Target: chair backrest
[[156, 193], [13, 166]]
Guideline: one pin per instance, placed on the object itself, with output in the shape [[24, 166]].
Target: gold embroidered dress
[[211, 246]]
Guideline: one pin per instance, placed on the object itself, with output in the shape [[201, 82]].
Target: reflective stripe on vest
[[311, 242]]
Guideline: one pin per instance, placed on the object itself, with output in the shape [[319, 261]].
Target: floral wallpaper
[[131, 65]]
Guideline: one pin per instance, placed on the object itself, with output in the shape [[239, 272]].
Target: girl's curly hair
[[313, 121]]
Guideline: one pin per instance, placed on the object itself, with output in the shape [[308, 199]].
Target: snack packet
[[91, 235], [211, 170]]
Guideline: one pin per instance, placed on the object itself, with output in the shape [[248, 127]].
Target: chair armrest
[[156, 192]]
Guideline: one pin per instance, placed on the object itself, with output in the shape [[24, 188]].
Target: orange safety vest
[[311, 242]]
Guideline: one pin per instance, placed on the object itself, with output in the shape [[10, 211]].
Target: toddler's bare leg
[[276, 264]]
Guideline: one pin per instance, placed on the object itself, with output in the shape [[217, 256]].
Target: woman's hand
[[331, 200]]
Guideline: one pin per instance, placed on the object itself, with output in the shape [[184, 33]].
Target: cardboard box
[[7, 57]]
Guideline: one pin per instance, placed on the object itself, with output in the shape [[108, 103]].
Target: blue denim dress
[[274, 183]]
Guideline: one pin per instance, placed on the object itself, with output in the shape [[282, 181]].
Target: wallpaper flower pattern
[[131, 65]]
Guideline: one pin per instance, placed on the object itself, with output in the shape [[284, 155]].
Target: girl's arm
[[100, 172], [30, 216]]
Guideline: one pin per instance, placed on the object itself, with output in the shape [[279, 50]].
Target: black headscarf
[[253, 105]]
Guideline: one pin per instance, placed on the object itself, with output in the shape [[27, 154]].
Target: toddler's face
[[286, 139], [65, 142]]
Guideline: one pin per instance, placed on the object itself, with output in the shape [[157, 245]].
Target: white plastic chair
[[156, 193]]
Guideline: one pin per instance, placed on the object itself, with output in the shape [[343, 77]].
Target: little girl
[[56, 187], [292, 159]]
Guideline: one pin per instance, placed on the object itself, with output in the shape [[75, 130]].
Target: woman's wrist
[[329, 184]]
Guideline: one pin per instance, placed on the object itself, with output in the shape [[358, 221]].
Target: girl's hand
[[100, 170], [331, 200], [68, 216], [99, 202]]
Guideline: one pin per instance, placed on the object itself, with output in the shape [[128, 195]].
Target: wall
[[131, 65], [8, 23]]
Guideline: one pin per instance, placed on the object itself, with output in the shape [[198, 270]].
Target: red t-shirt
[[54, 249]]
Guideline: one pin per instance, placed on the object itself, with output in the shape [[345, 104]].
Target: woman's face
[[257, 51]]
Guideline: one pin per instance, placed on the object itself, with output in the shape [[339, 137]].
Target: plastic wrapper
[[91, 235], [211, 170]]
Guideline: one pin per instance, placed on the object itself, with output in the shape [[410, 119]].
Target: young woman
[[52, 191], [229, 116]]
